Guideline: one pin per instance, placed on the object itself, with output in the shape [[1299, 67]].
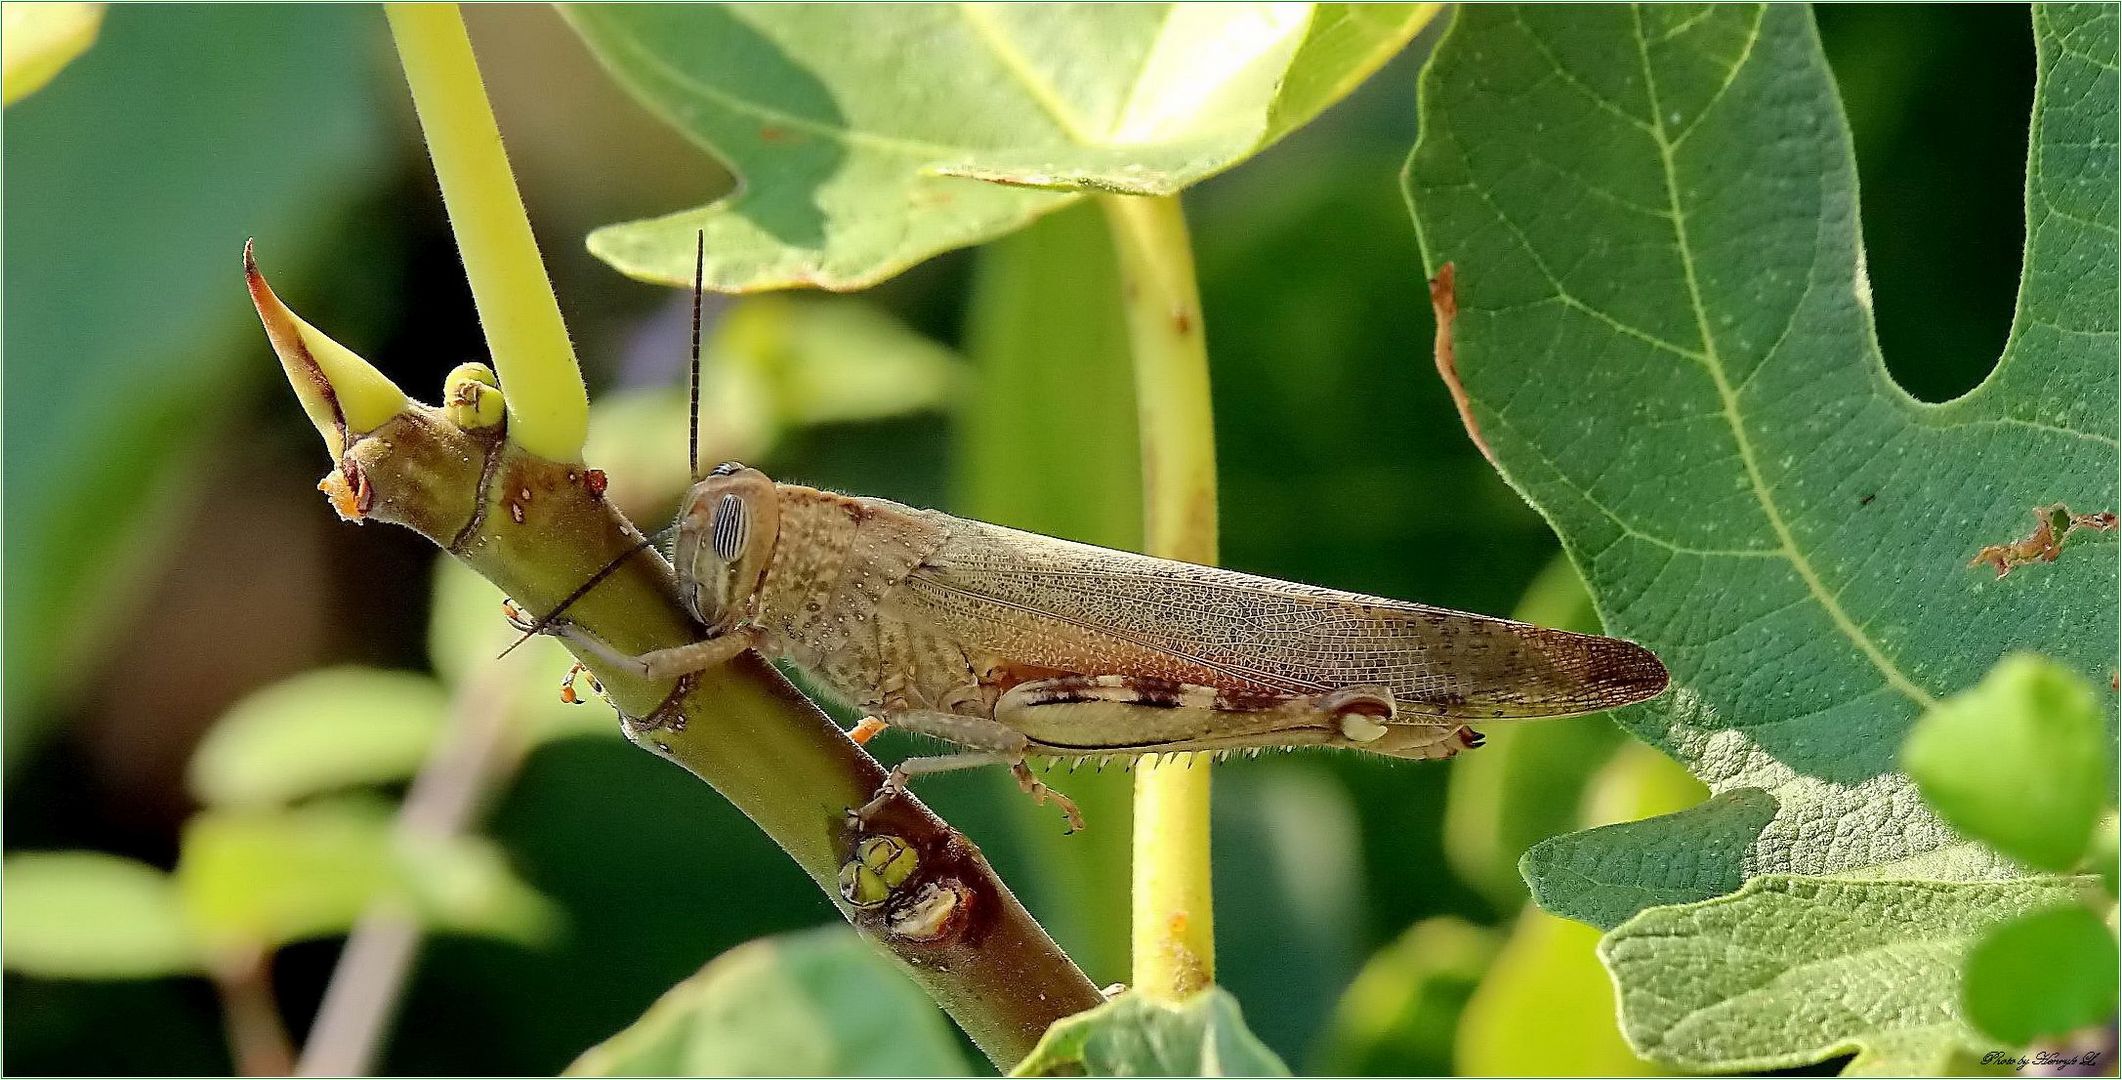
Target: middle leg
[[986, 742]]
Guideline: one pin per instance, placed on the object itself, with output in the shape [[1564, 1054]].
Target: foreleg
[[655, 664]]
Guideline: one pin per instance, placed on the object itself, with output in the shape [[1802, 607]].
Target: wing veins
[[1266, 680]]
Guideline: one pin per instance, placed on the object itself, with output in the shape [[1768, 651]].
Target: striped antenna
[[699, 290]]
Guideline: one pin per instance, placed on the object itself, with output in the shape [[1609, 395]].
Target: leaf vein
[[1714, 363]]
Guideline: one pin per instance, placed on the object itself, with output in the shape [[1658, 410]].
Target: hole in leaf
[[1938, 108]]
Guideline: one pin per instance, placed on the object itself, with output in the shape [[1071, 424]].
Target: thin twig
[[257, 1036], [471, 761]]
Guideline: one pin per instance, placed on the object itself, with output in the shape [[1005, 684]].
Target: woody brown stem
[[537, 528]]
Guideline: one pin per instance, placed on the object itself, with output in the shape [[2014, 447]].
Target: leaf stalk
[[1174, 915], [548, 408]]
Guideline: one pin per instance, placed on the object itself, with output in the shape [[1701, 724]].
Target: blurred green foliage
[[2022, 761], [41, 40], [2047, 974], [336, 728], [817, 1003], [134, 178]]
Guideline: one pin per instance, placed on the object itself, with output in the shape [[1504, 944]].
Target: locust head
[[726, 536]]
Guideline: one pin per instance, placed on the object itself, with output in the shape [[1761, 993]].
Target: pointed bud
[[342, 394]]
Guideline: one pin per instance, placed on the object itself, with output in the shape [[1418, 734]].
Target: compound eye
[[733, 520]]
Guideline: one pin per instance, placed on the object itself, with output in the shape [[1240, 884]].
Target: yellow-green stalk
[[1174, 916], [548, 409]]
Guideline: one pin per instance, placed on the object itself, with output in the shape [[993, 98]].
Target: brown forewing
[[1034, 600]]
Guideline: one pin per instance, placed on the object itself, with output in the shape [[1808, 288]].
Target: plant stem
[[467, 765], [548, 409], [1174, 917], [537, 529], [257, 1037], [537, 525]]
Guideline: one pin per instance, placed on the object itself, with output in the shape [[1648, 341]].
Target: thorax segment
[[823, 604]]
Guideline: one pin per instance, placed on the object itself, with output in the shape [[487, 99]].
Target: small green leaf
[[818, 1003], [1788, 970], [2045, 974], [87, 915], [855, 128], [2018, 762], [41, 39], [270, 877], [318, 732], [1133, 1035], [1665, 340], [1399, 1016]]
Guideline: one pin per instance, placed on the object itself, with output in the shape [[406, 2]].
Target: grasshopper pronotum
[[1014, 645]]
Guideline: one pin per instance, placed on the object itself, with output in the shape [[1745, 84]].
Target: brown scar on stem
[[350, 497], [1444, 300], [2053, 525]]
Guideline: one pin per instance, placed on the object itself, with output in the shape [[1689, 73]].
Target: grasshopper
[[1017, 646]]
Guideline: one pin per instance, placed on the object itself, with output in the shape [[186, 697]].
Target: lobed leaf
[[859, 130], [1603, 875], [1791, 970], [1665, 341], [818, 1003], [1133, 1035]]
